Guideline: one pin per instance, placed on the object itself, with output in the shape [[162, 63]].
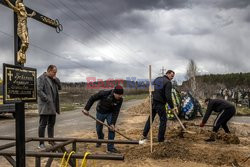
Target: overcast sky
[[120, 38]]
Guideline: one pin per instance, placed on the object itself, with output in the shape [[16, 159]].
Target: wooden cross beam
[[39, 17]]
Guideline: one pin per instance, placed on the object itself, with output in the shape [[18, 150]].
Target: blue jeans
[[99, 128]]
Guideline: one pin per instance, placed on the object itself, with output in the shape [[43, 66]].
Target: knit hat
[[118, 90]]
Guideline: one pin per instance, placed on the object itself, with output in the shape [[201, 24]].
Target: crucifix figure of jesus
[[22, 29]]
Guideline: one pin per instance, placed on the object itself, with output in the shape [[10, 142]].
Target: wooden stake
[[150, 104]]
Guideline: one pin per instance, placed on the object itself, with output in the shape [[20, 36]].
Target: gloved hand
[[202, 124], [174, 110]]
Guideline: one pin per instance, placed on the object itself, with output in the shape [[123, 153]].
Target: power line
[[126, 50], [51, 53], [107, 21], [78, 40], [98, 21], [82, 25], [91, 26]]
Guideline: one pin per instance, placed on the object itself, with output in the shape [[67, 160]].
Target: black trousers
[[160, 109], [223, 118], [46, 120]]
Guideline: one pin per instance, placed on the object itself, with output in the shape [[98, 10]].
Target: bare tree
[[192, 72]]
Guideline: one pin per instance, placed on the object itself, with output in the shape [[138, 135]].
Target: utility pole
[[162, 71]]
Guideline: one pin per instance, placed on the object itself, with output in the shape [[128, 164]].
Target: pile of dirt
[[228, 138], [184, 151], [188, 147], [143, 108], [169, 150], [187, 151]]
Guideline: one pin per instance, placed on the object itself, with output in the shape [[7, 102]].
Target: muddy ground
[[179, 149]]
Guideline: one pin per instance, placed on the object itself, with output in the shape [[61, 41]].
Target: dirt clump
[[169, 150], [228, 138]]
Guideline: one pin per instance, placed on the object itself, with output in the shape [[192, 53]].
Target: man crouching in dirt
[[226, 111], [161, 95], [108, 109]]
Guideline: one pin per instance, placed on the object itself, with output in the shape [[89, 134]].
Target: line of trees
[[232, 80]]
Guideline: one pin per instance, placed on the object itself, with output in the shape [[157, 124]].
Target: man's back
[[162, 90], [218, 105]]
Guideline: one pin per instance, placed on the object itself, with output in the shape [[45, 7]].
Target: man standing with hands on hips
[[108, 108]]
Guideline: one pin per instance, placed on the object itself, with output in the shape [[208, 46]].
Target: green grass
[[69, 107], [73, 106], [243, 111], [134, 97]]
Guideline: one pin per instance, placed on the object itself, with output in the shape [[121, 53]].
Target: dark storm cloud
[[155, 4], [225, 4], [193, 31], [247, 18], [94, 16], [99, 28]]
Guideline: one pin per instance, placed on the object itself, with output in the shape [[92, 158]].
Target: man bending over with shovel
[[108, 109], [226, 111]]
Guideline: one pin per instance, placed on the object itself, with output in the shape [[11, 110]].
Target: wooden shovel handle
[[97, 120]]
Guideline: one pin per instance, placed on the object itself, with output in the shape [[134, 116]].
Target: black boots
[[211, 138]]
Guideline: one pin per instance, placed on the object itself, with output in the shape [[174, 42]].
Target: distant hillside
[[131, 87], [228, 80], [208, 85]]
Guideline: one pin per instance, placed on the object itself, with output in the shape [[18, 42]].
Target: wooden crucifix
[[21, 44], [20, 22]]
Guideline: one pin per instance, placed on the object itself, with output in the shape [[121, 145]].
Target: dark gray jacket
[[163, 91], [216, 105], [48, 97]]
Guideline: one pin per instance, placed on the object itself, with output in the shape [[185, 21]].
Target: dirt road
[[67, 123]]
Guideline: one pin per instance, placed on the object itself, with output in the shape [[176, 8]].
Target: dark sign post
[[20, 82], [19, 87]]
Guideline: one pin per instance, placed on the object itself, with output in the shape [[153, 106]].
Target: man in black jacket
[[226, 111], [161, 96], [108, 109]]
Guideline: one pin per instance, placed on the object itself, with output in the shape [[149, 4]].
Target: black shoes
[[209, 140], [98, 145], [113, 150]]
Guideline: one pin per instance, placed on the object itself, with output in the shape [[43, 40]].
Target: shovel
[[183, 127], [192, 124], [97, 120], [236, 164]]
